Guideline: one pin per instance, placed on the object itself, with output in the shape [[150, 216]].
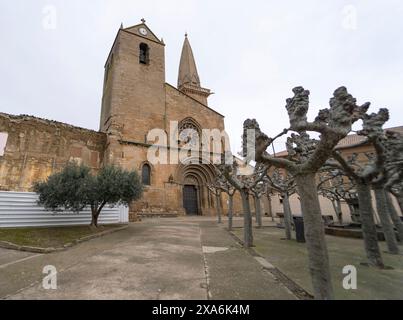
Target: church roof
[[187, 68], [190, 97]]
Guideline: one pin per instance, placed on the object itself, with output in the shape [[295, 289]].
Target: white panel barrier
[[20, 209]]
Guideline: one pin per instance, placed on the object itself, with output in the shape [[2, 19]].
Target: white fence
[[20, 209]]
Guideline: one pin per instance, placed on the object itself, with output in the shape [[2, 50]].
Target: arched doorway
[[196, 198]]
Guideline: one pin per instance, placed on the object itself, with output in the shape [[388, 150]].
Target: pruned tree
[[305, 157], [230, 190], [331, 186], [284, 184], [215, 189], [397, 190], [394, 165], [257, 192], [394, 176], [75, 188], [244, 183], [372, 174], [362, 179]]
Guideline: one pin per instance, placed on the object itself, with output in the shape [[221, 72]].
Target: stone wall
[[36, 148]]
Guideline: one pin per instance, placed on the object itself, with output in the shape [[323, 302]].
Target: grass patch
[[51, 237], [291, 258]]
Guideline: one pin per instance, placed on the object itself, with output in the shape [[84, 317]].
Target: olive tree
[[75, 188], [305, 157]]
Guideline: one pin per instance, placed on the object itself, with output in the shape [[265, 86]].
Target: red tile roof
[[348, 142]]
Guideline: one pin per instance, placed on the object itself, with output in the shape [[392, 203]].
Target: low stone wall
[[350, 233]]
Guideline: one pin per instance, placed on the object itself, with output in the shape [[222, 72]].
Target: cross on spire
[[143, 20]]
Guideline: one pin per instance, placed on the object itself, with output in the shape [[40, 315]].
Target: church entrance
[[190, 201]]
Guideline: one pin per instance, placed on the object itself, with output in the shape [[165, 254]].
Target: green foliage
[[66, 190], [75, 188], [115, 186]]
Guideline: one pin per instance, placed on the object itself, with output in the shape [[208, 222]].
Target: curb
[[13, 246]]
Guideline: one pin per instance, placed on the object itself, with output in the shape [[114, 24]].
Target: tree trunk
[[368, 226], [94, 217], [399, 198], [230, 211], [217, 197], [315, 237], [339, 212], [270, 207], [352, 212], [247, 219], [258, 211], [394, 216], [287, 215], [387, 227]]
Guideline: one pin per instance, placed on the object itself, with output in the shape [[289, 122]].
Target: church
[[136, 99]]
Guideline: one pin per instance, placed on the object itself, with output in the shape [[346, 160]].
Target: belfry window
[[146, 175], [144, 54]]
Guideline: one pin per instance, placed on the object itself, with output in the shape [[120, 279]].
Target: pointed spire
[[187, 68], [121, 25]]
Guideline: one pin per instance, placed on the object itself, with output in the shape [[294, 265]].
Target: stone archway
[[193, 179]]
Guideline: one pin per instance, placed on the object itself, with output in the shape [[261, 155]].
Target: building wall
[[136, 100], [35, 148]]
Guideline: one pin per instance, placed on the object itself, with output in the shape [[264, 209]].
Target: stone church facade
[[136, 99]]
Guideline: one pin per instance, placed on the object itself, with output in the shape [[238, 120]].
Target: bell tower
[[133, 99], [188, 79]]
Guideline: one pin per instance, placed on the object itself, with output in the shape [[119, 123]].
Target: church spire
[[188, 79], [187, 68]]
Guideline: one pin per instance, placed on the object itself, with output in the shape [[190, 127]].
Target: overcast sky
[[250, 53]]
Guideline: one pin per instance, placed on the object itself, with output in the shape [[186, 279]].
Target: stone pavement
[[183, 258]]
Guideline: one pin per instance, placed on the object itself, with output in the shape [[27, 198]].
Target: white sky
[[250, 53]]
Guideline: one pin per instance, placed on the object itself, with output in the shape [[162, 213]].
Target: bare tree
[[305, 157], [258, 191], [394, 165], [367, 175], [226, 187], [244, 184], [362, 179], [331, 186], [397, 191], [285, 185], [393, 143], [215, 189]]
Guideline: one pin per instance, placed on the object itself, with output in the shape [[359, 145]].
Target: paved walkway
[[184, 258]]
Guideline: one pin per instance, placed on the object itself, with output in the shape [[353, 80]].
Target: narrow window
[[146, 175], [144, 53]]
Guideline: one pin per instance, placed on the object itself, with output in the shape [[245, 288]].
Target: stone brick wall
[[35, 148]]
